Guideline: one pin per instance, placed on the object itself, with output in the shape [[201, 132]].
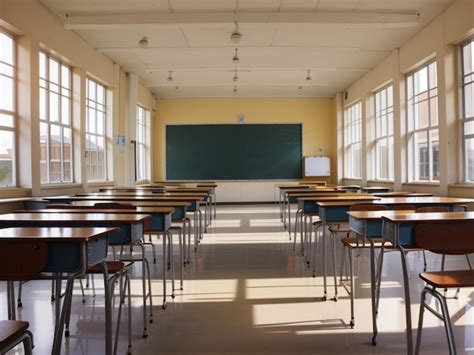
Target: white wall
[[438, 40]]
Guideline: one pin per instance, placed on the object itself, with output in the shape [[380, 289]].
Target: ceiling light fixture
[[236, 36], [235, 91], [308, 77], [300, 88], [236, 58], [143, 43], [235, 78], [170, 76]]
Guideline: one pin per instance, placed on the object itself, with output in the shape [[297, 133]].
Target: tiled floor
[[247, 292]]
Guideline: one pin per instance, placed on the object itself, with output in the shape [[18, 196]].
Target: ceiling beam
[[231, 68], [232, 84], [371, 20]]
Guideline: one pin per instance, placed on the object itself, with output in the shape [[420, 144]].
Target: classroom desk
[[353, 188], [160, 223], [131, 232], [333, 211], [375, 189], [402, 194], [398, 228], [70, 251]]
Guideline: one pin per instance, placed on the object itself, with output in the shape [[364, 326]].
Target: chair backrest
[[22, 261], [367, 207], [432, 209], [404, 208], [445, 237], [115, 206]]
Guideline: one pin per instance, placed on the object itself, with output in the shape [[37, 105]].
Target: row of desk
[[396, 227], [62, 244]]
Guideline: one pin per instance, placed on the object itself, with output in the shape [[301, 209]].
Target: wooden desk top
[[144, 194], [293, 186], [320, 197], [66, 217], [140, 210], [175, 204], [126, 198], [343, 203], [56, 234], [403, 194], [294, 193], [372, 188], [370, 215], [431, 217], [423, 200], [350, 187], [343, 198]]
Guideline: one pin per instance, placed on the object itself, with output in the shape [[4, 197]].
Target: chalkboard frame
[[300, 153]]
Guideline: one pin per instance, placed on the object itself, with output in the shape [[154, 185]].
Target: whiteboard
[[317, 166]]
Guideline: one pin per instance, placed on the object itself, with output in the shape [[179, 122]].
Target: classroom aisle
[[246, 292]]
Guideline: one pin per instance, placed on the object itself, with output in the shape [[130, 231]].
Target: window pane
[[7, 153], [6, 48], [469, 154], [42, 60], [65, 110], [6, 90], [53, 107], [6, 120], [53, 71], [44, 133], [65, 77], [421, 156]]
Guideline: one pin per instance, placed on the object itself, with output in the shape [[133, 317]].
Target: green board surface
[[233, 152]]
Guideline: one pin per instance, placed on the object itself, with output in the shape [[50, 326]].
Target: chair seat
[[10, 330], [112, 267], [352, 243], [339, 230], [448, 279]]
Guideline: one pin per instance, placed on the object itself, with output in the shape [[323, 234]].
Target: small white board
[[317, 166]]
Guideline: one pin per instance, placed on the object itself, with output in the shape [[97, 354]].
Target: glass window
[[423, 134], [7, 110], [56, 144], [96, 131], [384, 134], [353, 142], [141, 146], [468, 110]]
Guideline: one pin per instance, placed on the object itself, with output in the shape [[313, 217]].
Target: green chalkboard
[[233, 152]]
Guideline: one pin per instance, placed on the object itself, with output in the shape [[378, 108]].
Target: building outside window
[[384, 134], [423, 133], [96, 108], [353, 142], [56, 144]]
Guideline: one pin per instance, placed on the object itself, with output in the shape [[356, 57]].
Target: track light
[[143, 43], [235, 78], [236, 36], [170, 76], [308, 77], [236, 58], [235, 91]]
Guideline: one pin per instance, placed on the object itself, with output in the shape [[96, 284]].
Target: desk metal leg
[[289, 219], [165, 236], [373, 292], [11, 300], [324, 264], [406, 286]]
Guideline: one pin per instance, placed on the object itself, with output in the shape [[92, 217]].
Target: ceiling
[[337, 40]]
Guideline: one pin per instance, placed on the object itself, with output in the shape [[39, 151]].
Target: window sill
[[60, 186], [101, 184], [352, 179], [381, 181], [14, 192], [461, 186]]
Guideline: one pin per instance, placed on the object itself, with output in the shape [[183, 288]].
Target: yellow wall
[[316, 115]]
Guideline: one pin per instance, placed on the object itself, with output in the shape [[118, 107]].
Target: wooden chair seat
[[10, 330], [339, 230], [449, 279], [112, 267]]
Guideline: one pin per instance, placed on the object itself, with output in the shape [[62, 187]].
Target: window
[[7, 110], [96, 131], [384, 134], [468, 110], [55, 120], [352, 142], [141, 166], [423, 134]]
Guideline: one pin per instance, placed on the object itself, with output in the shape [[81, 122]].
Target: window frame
[[86, 132], [351, 140], [14, 113], [463, 119], [49, 56], [384, 113], [141, 165], [412, 131]]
